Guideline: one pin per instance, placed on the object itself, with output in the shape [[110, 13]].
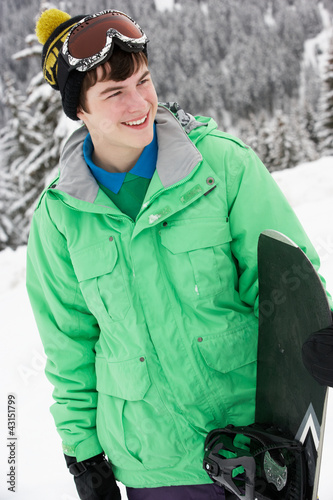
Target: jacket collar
[[177, 157]]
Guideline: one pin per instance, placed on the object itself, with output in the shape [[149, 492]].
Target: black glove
[[94, 478], [317, 353]]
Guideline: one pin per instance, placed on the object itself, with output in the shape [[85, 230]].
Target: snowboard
[[292, 305]]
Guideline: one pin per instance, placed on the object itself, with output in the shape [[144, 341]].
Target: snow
[[41, 470], [268, 16], [164, 5], [41, 93], [29, 52], [204, 9], [153, 218], [326, 16], [309, 189]]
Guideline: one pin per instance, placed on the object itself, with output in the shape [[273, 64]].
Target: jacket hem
[[156, 478]]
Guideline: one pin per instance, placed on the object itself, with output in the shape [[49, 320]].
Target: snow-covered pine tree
[[30, 145], [13, 146], [282, 141], [292, 142], [301, 123], [325, 118], [257, 133]]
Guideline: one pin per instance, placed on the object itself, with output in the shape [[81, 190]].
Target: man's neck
[[116, 161]]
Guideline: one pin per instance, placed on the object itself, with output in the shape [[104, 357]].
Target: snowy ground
[[40, 469]]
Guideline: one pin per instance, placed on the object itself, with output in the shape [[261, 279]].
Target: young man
[[142, 269]]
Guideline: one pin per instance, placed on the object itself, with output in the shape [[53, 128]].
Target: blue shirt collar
[[144, 167]]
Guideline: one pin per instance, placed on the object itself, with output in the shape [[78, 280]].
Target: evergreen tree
[[13, 146], [257, 133], [30, 146], [310, 124], [280, 142], [292, 143], [325, 119]]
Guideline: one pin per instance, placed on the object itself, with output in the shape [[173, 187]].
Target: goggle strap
[[63, 70]]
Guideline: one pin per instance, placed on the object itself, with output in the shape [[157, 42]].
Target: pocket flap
[[229, 351], [125, 379], [96, 260], [187, 235]]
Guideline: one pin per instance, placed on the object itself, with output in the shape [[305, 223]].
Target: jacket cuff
[[83, 450]]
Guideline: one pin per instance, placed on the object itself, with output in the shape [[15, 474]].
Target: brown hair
[[119, 67]]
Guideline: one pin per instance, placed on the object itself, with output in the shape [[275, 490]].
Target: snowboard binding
[[256, 463]]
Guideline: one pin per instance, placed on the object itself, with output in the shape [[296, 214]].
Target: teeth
[[138, 122]]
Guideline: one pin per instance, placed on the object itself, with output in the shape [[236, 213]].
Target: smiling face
[[120, 117]]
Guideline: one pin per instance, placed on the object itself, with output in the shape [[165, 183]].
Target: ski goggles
[[90, 42]]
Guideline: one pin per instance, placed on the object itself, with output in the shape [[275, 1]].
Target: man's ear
[[80, 113]]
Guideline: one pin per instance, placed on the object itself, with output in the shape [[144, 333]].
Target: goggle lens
[[85, 43]]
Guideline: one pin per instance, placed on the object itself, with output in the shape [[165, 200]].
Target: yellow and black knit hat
[[52, 29]]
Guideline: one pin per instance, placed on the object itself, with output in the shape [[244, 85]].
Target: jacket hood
[[177, 133]]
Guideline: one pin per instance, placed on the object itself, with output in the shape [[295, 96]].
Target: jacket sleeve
[[68, 332], [256, 203]]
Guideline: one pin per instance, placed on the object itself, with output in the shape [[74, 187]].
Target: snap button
[[142, 360], [200, 339], [210, 181], [111, 238], [165, 223]]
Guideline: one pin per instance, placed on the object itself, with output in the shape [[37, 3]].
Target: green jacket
[[150, 326]]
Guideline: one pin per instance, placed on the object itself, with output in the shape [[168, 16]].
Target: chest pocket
[[99, 272], [199, 254]]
